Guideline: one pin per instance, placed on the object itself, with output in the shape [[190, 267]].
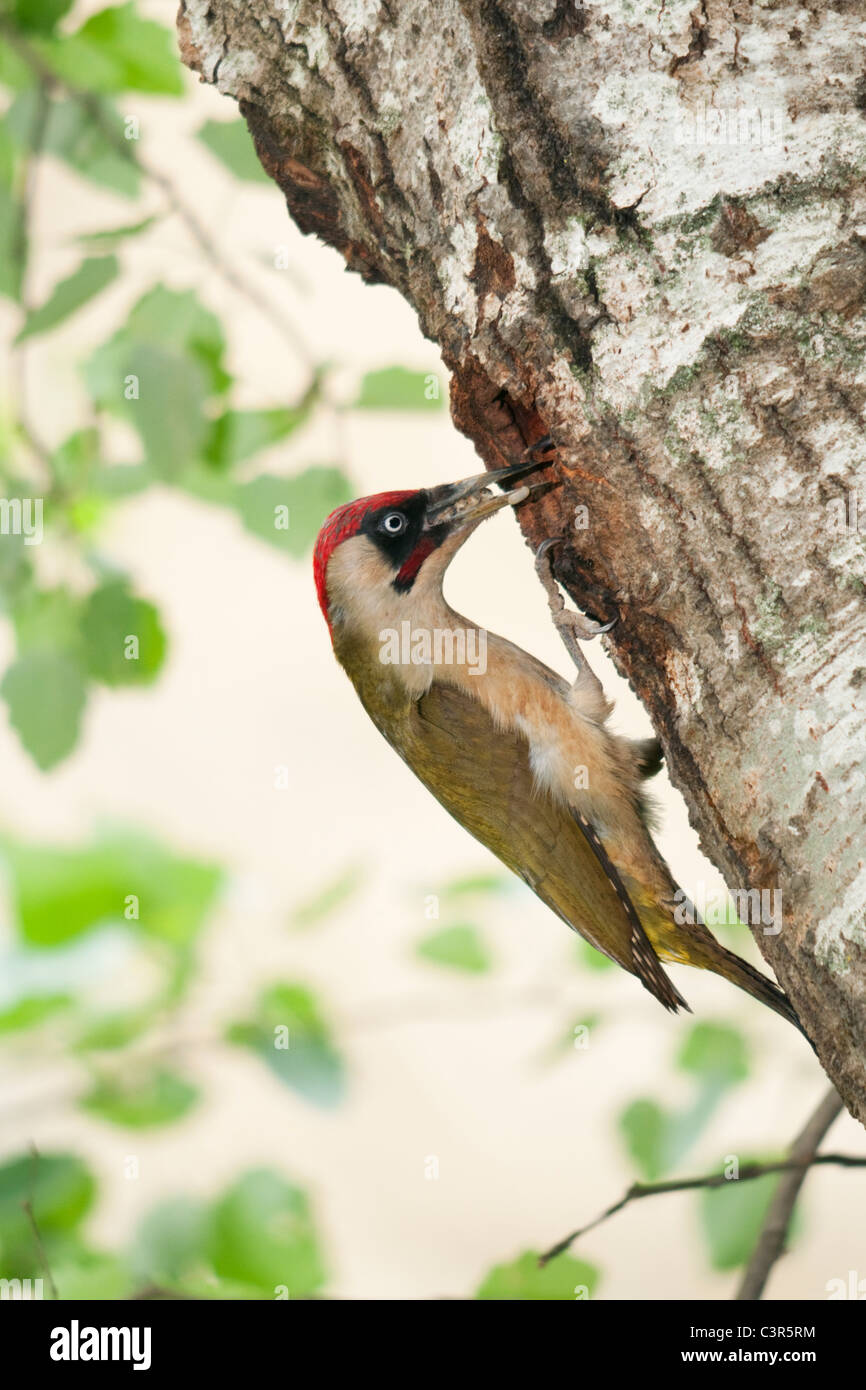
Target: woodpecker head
[[373, 554]]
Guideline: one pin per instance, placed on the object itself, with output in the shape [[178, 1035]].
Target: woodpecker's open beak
[[458, 504]]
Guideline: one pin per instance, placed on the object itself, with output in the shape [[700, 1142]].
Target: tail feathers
[[759, 986], [701, 948]]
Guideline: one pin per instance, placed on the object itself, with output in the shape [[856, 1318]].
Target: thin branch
[[388, 1013], [796, 1167], [26, 207], [803, 1155], [27, 179], [208, 246], [199, 233], [28, 1210]]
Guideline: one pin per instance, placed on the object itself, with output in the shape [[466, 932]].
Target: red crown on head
[[341, 525]]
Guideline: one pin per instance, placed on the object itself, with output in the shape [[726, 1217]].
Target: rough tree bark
[[641, 229]]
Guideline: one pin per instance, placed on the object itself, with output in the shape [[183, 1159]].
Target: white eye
[[393, 524]]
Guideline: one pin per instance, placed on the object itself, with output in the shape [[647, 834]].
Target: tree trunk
[[642, 230]]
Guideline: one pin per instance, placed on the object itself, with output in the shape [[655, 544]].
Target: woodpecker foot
[[587, 693], [572, 627]]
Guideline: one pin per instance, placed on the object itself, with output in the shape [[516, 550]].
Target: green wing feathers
[[452, 745]]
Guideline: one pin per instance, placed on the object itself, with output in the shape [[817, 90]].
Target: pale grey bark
[[642, 229]]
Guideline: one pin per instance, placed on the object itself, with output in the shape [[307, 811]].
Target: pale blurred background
[[458, 1067]]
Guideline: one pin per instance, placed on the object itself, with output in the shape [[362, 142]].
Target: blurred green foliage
[[523, 1280], [158, 1098], [288, 1031], [58, 894], [230, 142], [396, 388], [458, 947], [732, 1217], [257, 1239], [334, 895], [163, 373], [657, 1136]]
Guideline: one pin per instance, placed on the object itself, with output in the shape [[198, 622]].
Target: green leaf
[[232, 144], [143, 1103], [263, 1234], [16, 73], [170, 1241], [732, 1217], [211, 1288], [396, 388], [47, 620], [84, 284], [75, 460], [562, 1279], [45, 694], [117, 50], [288, 512], [84, 513], [459, 948], [39, 16], [158, 372], [109, 238], [716, 1053], [175, 319], [124, 642], [58, 894], [93, 148], [92, 1275], [27, 1013], [61, 1190], [644, 1126], [16, 571], [90, 141], [13, 252], [167, 407], [476, 885], [657, 1139], [167, 331], [120, 480], [114, 1030], [289, 1033], [13, 241], [326, 902], [175, 894], [238, 434], [9, 154]]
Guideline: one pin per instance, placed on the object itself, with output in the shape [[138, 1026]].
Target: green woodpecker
[[525, 762]]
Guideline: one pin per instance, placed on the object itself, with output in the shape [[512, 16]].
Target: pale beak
[[471, 500]]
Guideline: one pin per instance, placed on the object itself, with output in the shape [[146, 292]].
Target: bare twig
[[26, 206], [28, 1210], [48, 78], [208, 246], [802, 1156], [797, 1168], [386, 1013], [27, 180]]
